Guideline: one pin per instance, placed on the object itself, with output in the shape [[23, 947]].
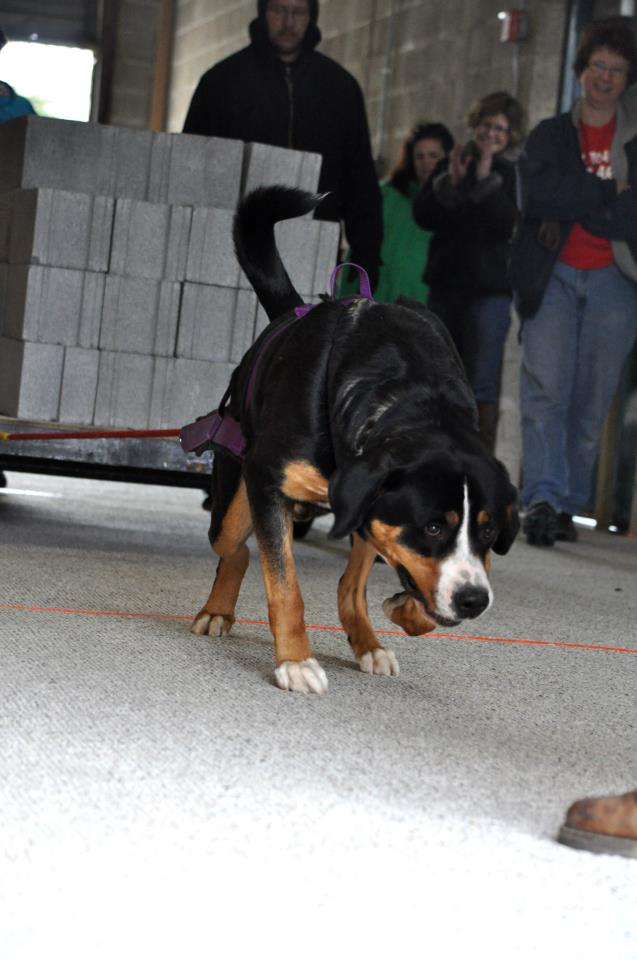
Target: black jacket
[[558, 192], [472, 225], [313, 105]]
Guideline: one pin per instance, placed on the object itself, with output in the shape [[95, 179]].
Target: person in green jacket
[[405, 244]]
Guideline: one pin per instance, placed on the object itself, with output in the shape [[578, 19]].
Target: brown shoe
[[602, 825]]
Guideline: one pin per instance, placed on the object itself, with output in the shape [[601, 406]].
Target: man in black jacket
[[279, 90]]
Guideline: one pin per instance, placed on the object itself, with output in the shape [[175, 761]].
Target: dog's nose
[[470, 602]]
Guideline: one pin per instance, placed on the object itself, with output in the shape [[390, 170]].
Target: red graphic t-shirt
[[583, 250]]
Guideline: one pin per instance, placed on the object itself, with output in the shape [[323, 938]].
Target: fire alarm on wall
[[515, 25]]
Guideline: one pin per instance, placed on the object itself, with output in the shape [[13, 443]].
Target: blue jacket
[[558, 191], [13, 105]]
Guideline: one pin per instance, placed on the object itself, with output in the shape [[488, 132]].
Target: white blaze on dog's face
[[463, 575], [443, 560]]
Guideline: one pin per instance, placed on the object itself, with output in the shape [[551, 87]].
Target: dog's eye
[[433, 528], [486, 533]]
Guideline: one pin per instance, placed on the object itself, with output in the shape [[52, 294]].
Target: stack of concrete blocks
[[122, 303]]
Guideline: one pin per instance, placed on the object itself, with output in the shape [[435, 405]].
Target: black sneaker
[[566, 529], [540, 525]]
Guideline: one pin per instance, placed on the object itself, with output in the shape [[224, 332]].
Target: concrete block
[[211, 256], [30, 379], [5, 224], [44, 304], [197, 171], [244, 324], [79, 385], [298, 243], [265, 165], [215, 323], [140, 234], [46, 152], [178, 242], [150, 240], [140, 316], [327, 255], [310, 171], [186, 389], [124, 388], [91, 310], [61, 229], [205, 322], [125, 163]]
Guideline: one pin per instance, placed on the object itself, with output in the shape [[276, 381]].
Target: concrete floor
[[159, 796]]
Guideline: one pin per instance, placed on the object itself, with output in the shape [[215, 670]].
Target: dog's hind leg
[[230, 527], [352, 609], [296, 668]]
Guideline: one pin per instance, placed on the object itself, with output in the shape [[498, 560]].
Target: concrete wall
[[134, 62]]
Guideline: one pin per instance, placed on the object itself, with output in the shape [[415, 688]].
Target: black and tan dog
[[361, 408]]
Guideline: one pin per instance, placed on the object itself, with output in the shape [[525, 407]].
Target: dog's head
[[435, 521]]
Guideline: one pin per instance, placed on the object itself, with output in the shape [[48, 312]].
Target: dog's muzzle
[[470, 601], [409, 586]]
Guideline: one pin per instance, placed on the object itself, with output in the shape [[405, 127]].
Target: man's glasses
[[599, 67]]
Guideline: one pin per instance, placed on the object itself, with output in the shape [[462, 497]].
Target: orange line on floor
[[321, 626]]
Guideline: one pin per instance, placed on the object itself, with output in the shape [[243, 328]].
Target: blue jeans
[[488, 321], [479, 327], [573, 350]]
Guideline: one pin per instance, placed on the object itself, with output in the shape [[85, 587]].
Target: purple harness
[[218, 429]]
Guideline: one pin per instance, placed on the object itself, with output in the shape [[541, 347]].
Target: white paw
[[205, 625], [308, 676], [381, 662]]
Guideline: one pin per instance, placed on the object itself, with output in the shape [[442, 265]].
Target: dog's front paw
[[211, 625], [409, 614], [306, 676], [380, 661]]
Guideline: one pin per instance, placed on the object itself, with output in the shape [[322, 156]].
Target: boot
[[602, 825], [488, 424]]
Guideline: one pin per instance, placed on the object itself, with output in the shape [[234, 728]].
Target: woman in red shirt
[[574, 274]]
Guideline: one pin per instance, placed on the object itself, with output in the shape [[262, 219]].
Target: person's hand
[[458, 165], [487, 149]]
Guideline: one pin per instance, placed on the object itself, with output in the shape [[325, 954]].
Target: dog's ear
[[511, 525], [352, 490]]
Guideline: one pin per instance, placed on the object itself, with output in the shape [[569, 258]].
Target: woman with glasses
[[574, 272], [470, 204]]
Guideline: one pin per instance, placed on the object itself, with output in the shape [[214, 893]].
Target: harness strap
[[267, 340]]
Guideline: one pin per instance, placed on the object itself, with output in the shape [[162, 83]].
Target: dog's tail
[[255, 245]]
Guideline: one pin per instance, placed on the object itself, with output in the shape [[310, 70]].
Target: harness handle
[[364, 286]]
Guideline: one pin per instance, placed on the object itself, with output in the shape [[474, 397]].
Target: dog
[[361, 409]]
